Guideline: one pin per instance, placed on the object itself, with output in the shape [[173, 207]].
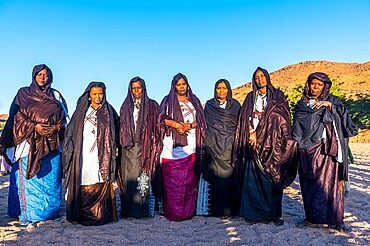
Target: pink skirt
[[179, 188]]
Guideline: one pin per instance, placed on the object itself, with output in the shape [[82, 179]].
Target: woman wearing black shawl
[[322, 127], [264, 151], [138, 138], [30, 141], [215, 189], [89, 159], [182, 128]]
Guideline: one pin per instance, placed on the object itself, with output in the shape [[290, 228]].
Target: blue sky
[[113, 41]]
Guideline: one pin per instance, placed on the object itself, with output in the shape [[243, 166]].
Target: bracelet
[[252, 131]]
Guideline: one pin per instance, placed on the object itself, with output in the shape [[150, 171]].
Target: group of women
[[225, 160]]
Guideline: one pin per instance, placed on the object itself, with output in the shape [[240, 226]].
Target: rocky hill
[[355, 77]]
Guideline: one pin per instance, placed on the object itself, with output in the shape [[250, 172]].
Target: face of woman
[[137, 90], [42, 77], [181, 87], [260, 79], [316, 87], [221, 91], [96, 96]]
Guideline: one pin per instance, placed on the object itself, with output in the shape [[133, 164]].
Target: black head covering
[[326, 91], [47, 86], [229, 97], [268, 80]]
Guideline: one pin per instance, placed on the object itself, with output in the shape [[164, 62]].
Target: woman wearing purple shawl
[[322, 127], [264, 152], [89, 159], [138, 138], [182, 128], [30, 142]]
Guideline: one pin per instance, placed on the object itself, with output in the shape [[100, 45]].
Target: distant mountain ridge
[[355, 77]]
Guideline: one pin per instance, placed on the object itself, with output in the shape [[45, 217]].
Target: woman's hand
[[320, 104], [183, 128], [253, 139], [45, 130]]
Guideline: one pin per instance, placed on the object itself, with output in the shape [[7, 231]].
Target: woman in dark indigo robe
[[322, 127], [138, 138], [215, 189], [264, 152], [89, 159]]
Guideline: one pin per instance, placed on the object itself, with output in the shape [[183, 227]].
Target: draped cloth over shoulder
[[35, 180], [217, 166], [275, 152], [138, 152], [30, 106], [322, 137], [102, 210]]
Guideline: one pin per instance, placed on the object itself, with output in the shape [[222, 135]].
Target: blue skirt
[[39, 198]]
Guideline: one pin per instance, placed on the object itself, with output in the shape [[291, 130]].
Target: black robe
[[262, 174], [321, 175], [80, 206], [217, 167]]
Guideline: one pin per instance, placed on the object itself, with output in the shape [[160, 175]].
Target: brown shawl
[[30, 106], [275, 146]]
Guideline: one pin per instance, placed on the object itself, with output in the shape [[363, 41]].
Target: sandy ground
[[207, 230]]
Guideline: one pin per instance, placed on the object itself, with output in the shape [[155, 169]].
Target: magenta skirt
[[179, 188]]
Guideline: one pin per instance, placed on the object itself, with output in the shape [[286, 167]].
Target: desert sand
[[207, 230]]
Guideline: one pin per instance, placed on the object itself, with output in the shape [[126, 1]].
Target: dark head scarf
[[107, 137], [170, 109], [31, 106], [221, 123], [326, 91], [146, 131], [269, 86], [47, 87], [127, 132]]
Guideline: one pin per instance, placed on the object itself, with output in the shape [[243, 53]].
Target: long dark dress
[[262, 174], [138, 154], [93, 203], [217, 166], [321, 175]]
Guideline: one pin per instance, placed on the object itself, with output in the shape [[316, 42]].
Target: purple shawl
[[146, 132], [170, 109]]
